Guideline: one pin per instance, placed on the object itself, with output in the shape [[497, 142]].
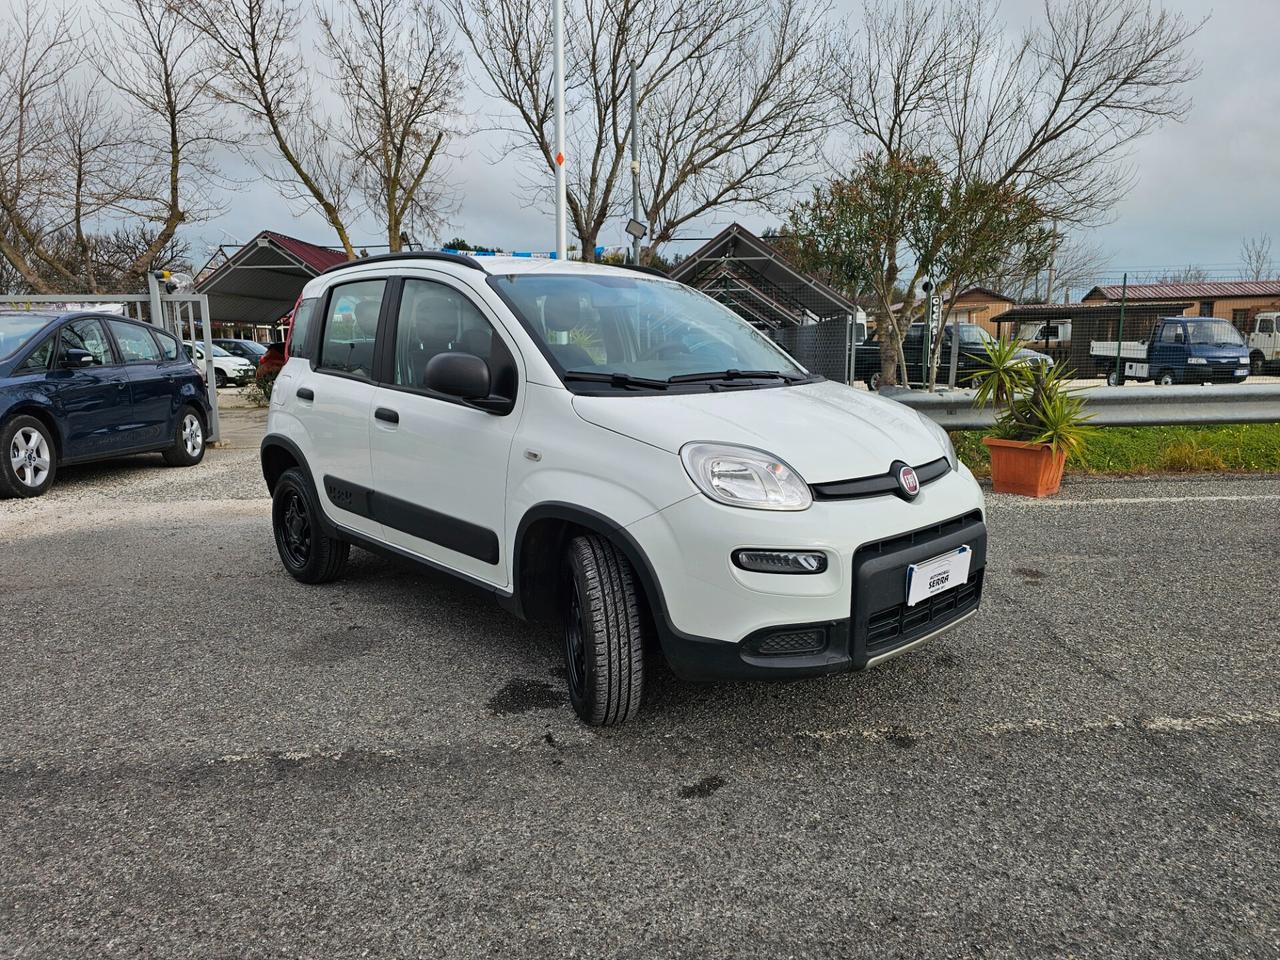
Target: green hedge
[[1134, 450]]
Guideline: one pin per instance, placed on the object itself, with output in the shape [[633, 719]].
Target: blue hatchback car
[[76, 387]]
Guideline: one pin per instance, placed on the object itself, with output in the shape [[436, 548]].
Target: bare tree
[[1256, 262], [730, 94], [397, 74], [1191, 273], [1050, 116]]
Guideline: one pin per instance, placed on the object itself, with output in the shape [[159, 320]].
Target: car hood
[[827, 431]]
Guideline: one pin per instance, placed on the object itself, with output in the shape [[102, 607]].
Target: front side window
[[1265, 325], [1171, 333], [436, 319], [17, 329], [135, 343], [1214, 333], [38, 359], [605, 325], [88, 334], [350, 327]]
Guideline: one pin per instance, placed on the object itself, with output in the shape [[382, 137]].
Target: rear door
[[439, 465], [150, 384], [332, 397], [95, 401]]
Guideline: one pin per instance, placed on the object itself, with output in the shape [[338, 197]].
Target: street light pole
[[557, 83], [635, 160]]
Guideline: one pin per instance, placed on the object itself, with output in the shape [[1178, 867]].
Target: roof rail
[[460, 259], [640, 268]]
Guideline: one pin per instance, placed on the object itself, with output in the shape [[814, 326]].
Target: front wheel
[[603, 636], [873, 382], [219, 379], [1166, 378], [1257, 363], [310, 555], [188, 445], [29, 458]]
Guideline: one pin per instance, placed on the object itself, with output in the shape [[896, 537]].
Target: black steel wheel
[[307, 552]]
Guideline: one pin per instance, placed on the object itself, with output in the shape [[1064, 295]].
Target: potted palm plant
[[1041, 421]]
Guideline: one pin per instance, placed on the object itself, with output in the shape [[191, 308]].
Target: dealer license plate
[[931, 577]]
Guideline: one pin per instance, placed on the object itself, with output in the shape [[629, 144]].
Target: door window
[[351, 326], [88, 335], [300, 330], [169, 348], [1171, 333], [436, 319], [1265, 325], [135, 343]]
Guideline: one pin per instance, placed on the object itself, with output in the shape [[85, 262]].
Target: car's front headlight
[[745, 477], [944, 439]]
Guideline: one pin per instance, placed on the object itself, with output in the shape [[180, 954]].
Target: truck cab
[[1264, 342]]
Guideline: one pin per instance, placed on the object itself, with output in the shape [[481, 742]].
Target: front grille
[[791, 642], [898, 624]]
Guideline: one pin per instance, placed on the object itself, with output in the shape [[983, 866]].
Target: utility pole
[[635, 160], [557, 84], [1053, 255]]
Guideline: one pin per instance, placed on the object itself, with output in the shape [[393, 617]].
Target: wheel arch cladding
[[278, 455], [541, 538]]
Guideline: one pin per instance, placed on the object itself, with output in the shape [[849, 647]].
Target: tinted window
[[17, 329], [168, 345], [88, 335], [38, 360], [437, 319], [350, 327], [300, 331], [135, 343]]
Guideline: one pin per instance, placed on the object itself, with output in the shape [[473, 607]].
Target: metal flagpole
[[1124, 296], [635, 161], [557, 17]]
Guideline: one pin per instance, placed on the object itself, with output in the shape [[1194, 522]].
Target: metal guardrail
[[1119, 406]]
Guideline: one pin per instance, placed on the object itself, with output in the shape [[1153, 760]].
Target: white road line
[[1060, 728], [1124, 501]]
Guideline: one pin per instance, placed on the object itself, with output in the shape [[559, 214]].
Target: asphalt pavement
[[200, 757]]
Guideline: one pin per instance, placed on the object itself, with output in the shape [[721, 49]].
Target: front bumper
[[719, 622]]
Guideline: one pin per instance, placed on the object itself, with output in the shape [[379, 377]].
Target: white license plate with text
[[932, 577]]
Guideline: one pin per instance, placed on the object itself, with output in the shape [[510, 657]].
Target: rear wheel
[[188, 445], [873, 382], [1115, 379], [1257, 363], [30, 459], [603, 636], [306, 551]]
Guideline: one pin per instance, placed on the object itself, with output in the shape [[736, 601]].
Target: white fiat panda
[[607, 447]]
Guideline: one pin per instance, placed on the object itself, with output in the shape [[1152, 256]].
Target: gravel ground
[[201, 758]]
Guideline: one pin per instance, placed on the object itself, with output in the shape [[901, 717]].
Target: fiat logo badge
[[908, 482]]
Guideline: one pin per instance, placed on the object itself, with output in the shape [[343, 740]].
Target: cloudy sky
[[1201, 185]]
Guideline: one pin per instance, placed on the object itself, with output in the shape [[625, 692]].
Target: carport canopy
[[259, 283]]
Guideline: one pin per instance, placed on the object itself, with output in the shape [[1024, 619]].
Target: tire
[[873, 382], [28, 458], [1115, 379], [189, 440], [603, 636], [1166, 378], [219, 380], [1257, 363], [307, 552]]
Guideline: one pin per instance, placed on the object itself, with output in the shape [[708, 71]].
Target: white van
[[611, 449]]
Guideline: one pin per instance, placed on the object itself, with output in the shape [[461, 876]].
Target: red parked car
[[272, 360]]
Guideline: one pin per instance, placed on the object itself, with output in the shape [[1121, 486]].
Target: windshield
[[972, 333], [219, 352], [17, 329], [253, 347], [1213, 333], [639, 327]]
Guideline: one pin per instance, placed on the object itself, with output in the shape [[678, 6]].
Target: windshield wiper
[[615, 380], [735, 375]]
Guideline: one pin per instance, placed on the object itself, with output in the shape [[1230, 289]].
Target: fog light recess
[[781, 561]]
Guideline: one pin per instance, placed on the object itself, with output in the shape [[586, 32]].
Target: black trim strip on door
[[446, 531]]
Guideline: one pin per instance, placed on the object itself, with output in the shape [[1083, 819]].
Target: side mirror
[[462, 375], [75, 358]]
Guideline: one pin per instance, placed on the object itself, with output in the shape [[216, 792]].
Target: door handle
[[387, 415], [305, 393]]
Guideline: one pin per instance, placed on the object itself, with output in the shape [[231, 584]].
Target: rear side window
[[135, 342], [168, 345], [350, 326], [300, 331], [88, 334]]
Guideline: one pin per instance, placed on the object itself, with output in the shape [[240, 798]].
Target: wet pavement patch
[[703, 788], [522, 695], [1030, 574]]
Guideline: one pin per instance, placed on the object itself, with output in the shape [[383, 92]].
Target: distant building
[[1236, 300], [981, 305]]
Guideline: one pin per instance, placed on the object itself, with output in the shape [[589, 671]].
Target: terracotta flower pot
[[1028, 469]]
